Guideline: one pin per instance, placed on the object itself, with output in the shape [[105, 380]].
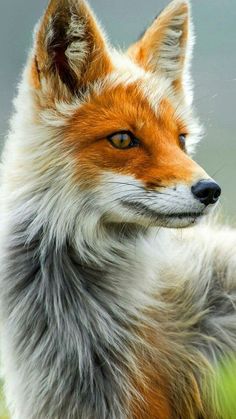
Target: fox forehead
[[117, 107], [127, 87], [129, 98]]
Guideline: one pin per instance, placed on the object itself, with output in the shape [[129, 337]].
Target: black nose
[[206, 191]]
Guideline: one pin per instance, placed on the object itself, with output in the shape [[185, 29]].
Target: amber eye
[[182, 139], [123, 140]]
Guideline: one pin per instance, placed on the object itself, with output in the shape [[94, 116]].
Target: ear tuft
[[174, 22], [68, 42], [165, 45]]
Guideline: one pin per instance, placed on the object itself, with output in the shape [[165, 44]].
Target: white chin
[[139, 213], [172, 222], [185, 222]]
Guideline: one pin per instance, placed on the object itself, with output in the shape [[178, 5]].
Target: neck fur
[[75, 301]]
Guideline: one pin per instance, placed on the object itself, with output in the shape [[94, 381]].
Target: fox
[[118, 288]]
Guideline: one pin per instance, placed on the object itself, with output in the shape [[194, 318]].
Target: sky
[[214, 69]]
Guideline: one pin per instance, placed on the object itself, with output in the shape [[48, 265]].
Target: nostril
[[217, 193], [207, 192]]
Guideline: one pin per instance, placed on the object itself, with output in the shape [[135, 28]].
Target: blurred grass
[[3, 410], [225, 380]]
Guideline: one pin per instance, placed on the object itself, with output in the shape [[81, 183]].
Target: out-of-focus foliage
[[3, 410], [225, 381]]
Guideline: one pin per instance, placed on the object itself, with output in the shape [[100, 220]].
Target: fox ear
[[70, 50], [165, 46]]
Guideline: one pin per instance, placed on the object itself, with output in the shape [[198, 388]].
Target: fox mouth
[[143, 210]]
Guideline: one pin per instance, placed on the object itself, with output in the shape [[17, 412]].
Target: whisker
[[148, 198], [117, 196], [218, 170], [146, 191], [134, 185]]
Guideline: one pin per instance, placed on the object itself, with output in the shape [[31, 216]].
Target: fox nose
[[207, 192]]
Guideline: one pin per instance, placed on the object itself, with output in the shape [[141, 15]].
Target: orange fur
[[154, 390], [154, 403], [159, 158], [160, 396]]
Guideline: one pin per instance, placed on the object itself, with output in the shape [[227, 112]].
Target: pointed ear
[[70, 50], [165, 46]]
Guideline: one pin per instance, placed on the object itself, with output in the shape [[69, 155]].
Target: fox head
[[121, 125]]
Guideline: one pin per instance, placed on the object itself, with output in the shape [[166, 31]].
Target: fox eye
[[123, 140], [182, 140]]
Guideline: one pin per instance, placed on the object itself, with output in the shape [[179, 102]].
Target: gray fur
[[65, 334], [71, 341]]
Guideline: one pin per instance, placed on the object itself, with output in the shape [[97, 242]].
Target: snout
[[207, 192]]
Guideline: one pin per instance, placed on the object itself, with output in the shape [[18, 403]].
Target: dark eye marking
[[123, 140]]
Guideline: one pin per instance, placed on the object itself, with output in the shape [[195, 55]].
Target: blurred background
[[214, 69]]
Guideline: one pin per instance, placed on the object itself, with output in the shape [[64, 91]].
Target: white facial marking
[[126, 199]]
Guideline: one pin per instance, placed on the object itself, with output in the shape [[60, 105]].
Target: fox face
[[124, 120]]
